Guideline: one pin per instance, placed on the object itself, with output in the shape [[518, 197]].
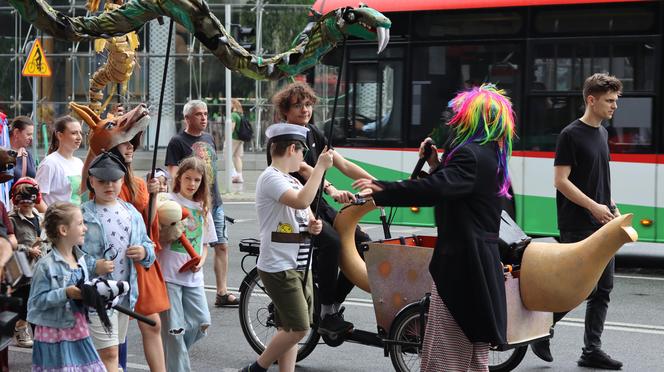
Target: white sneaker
[[22, 337]]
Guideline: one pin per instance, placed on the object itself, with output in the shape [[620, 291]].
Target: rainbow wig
[[484, 114]]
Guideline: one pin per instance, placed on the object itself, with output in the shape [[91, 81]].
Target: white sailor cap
[[286, 132]]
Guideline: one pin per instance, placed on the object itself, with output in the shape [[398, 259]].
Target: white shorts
[[103, 340]]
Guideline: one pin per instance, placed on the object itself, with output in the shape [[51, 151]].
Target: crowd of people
[[79, 222]]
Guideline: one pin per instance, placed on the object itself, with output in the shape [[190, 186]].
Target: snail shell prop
[[350, 261], [558, 277], [554, 277]]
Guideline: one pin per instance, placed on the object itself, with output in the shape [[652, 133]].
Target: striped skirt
[[446, 347], [65, 349]]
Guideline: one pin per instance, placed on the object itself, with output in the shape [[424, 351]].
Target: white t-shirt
[[199, 230], [274, 216], [116, 220], [59, 179]]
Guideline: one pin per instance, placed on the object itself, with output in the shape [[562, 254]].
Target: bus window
[[373, 93], [441, 71], [630, 131], [561, 67], [622, 19], [451, 24]]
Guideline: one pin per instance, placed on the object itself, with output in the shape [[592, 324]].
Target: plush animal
[[171, 221], [107, 133]]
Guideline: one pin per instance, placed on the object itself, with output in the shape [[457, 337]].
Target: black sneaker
[[542, 350], [599, 359], [334, 324]]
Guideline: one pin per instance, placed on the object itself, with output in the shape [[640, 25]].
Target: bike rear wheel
[[257, 317]]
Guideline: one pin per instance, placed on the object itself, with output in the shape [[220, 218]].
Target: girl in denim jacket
[[115, 242], [62, 340]]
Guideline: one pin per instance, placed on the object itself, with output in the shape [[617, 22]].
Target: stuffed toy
[[171, 221]]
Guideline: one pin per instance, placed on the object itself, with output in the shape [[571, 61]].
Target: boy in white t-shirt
[[286, 222]]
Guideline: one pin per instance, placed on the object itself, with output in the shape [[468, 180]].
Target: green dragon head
[[365, 23]]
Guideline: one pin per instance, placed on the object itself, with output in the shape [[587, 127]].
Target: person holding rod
[[468, 306]]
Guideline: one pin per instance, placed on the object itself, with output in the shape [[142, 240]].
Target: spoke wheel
[[407, 327], [257, 318]]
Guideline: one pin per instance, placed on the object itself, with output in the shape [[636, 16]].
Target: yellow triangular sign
[[36, 65]]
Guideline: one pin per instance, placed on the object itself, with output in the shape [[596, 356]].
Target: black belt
[[278, 237]]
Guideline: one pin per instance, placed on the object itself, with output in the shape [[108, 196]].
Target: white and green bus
[[540, 51]]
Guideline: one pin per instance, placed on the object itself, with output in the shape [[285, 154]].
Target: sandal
[[224, 300]]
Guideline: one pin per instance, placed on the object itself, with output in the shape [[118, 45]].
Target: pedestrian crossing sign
[[36, 65]]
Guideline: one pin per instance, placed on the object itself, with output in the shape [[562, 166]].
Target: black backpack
[[245, 132]]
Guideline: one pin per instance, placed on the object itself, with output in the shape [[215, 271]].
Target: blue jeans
[[183, 324], [220, 224]]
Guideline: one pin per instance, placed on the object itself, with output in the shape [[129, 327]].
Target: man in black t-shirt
[[294, 103], [583, 198], [193, 140]]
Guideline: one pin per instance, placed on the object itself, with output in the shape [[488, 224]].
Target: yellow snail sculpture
[[554, 277]]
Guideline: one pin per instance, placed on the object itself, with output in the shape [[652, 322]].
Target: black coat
[[466, 263]]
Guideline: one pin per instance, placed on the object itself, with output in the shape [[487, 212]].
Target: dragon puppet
[[315, 41]]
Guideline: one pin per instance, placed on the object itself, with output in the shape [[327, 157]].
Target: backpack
[[245, 132]]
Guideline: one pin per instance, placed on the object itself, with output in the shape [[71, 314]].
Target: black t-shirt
[[316, 142], [586, 150], [184, 145]]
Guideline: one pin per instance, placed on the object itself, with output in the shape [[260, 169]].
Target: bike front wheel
[[257, 317], [406, 333]]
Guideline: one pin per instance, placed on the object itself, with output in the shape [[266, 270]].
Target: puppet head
[[112, 131], [484, 114], [364, 23], [171, 215]]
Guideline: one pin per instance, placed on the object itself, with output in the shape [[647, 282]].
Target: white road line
[[639, 277]]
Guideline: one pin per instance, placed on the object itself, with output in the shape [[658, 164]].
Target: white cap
[[286, 132]]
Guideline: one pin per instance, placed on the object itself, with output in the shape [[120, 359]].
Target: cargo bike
[[396, 274]]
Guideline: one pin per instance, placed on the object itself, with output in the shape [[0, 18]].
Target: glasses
[[300, 106]]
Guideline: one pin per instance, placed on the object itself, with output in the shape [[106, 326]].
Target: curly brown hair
[[300, 90]]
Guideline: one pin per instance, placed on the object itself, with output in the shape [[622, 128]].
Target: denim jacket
[[48, 304], [95, 243]]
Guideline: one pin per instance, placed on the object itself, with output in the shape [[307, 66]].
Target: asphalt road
[[634, 332]]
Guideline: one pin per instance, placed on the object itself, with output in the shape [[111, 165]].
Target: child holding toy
[[189, 317], [62, 340], [116, 241]]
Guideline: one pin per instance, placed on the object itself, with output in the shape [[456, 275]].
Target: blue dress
[[66, 349]]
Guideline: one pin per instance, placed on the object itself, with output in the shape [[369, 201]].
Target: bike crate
[[250, 246]]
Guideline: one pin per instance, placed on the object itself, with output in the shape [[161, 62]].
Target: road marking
[[639, 277], [618, 326]]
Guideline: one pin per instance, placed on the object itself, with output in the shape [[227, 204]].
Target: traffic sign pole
[[35, 117]]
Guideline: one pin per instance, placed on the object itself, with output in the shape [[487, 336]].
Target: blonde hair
[[58, 214], [202, 195], [236, 106]]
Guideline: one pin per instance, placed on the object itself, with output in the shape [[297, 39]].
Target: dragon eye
[[109, 125], [350, 16]]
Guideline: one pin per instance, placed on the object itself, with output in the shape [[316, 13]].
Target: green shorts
[[294, 310]]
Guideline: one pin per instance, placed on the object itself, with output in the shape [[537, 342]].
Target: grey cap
[[107, 167]]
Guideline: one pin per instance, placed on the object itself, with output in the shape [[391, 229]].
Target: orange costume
[[152, 295]]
